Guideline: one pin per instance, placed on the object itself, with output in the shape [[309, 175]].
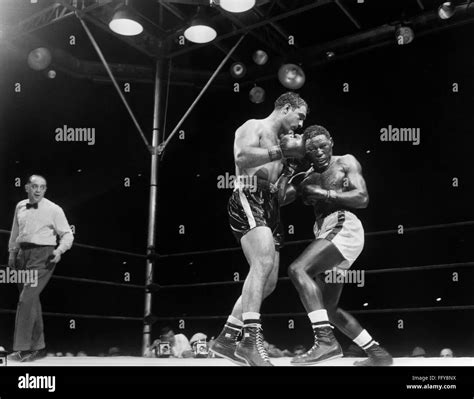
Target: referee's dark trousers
[[29, 333]]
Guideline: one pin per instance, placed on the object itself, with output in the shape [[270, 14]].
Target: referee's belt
[[29, 245]]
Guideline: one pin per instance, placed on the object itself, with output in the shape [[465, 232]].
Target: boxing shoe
[[378, 356], [224, 347], [325, 348], [251, 349]]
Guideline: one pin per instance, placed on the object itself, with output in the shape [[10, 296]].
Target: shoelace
[[313, 348], [260, 347], [316, 342], [235, 338]]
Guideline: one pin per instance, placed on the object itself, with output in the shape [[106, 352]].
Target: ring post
[[150, 262]]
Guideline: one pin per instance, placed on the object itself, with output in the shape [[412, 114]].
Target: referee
[[37, 223]]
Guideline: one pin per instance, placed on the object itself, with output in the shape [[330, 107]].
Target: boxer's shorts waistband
[[257, 184]]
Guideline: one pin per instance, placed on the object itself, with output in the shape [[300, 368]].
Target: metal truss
[[56, 12]]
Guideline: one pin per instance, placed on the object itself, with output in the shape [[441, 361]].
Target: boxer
[[333, 186], [260, 148]]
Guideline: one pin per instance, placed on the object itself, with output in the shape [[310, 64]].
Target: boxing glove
[[291, 146]]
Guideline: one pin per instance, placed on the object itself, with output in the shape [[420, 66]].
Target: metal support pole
[[150, 263]]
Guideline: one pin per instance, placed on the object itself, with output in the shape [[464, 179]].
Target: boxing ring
[[156, 288], [151, 287]]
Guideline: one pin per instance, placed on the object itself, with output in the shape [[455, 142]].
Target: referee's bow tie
[[35, 205]]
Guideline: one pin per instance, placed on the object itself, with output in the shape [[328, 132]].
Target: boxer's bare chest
[[333, 178], [271, 170]]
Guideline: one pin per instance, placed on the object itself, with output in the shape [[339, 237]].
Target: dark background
[[408, 86]]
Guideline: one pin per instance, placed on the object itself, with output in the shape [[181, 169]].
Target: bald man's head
[[36, 188]]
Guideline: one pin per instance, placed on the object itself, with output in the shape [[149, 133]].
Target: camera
[[200, 349], [3, 358], [163, 349]]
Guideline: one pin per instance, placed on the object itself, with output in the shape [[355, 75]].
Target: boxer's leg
[[319, 256], [224, 345], [349, 325], [270, 285], [259, 248]]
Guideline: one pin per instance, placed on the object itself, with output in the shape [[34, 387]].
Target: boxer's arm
[[357, 196], [289, 188], [247, 150]]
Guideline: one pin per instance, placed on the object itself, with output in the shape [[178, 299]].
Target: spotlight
[[124, 23], [330, 54], [200, 29], [438, 299], [237, 5], [257, 95], [366, 304], [291, 76], [404, 35], [260, 57], [51, 74], [39, 59], [446, 10], [238, 70]]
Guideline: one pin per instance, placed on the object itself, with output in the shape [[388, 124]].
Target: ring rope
[[108, 250], [269, 315], [360, 311], [390, 270], [233, 282], [87, 280], [81, 316], [233, 249], [363, 311], [306, 241], [420, 268]]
